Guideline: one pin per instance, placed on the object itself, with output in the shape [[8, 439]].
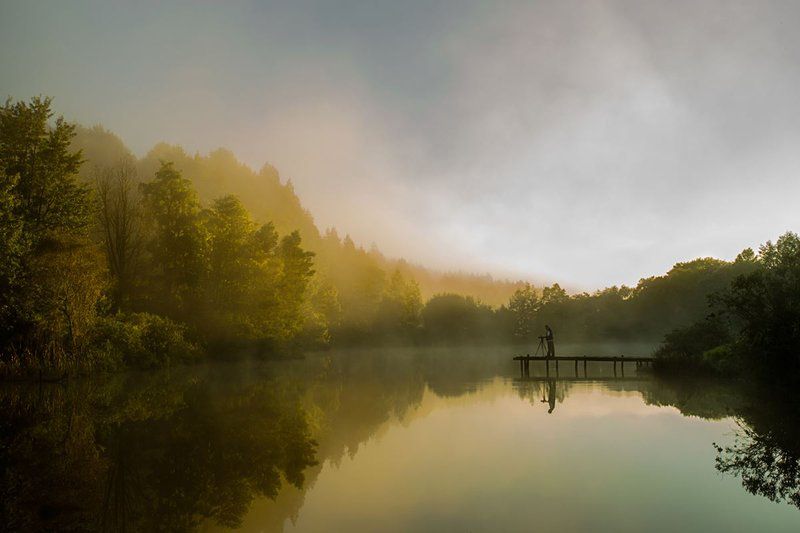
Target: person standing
[[551, 347]]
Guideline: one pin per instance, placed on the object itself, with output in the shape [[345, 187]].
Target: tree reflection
[[209, 460], [94, 458], [766, 465], [765, 452], [174, 451]]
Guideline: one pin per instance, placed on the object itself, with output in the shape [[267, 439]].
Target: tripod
[[541, 347]]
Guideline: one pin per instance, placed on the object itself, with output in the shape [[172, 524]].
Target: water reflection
[[765, 453], [546, 391], [551, 395], [765, 450], [275, 447], [768, 465], [163, 454]]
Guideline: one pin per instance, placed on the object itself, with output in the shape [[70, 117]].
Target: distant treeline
[[107, 260]]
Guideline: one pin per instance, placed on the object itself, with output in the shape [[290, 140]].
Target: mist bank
[[122, 452], [270, 198], [114, 262]]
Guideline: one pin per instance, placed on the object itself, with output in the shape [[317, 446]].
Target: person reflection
[[551, 395]]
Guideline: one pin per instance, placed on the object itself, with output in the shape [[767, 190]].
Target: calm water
[[397, 440]]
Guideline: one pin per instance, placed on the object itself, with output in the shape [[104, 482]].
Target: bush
[[723, 360], [141, 340], [704, 346]]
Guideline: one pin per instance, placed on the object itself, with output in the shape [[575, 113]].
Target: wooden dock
[[583, 379], [525, 361]]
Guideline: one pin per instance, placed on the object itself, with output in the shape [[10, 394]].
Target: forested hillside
[[268, 197], [110, 260]]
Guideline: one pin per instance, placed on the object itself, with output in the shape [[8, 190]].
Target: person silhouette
[[551, 347], [551, 395]]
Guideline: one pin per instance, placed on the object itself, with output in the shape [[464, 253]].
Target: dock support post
[[576, 368], [584, 366], [615, 369]]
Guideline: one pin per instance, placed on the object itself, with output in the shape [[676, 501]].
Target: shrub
[[722, 360], [705, 345], [141, 340]]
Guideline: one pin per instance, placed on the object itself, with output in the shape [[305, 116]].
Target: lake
[[398, 440]]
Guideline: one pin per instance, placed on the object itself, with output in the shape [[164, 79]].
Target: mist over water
[[383, 440]]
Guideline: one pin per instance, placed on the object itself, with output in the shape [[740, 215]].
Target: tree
[[524, 304], [554, 295], [37, 160], [322, 311], [121, 224], [72, 282], [257, 286], [232, 251], [406, 293], [297, 270], [746, 256], [43, 228], [178, 242], [13, 247], [765, 303], [456, 318], [400, 307]]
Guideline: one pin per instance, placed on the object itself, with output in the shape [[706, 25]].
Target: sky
[[591, 143]]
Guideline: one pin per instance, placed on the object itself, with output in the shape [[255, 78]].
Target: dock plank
[[588, 358]]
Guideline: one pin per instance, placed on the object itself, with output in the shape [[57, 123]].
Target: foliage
[[525, 305], [121, 225], [71, 283], [703, 345], [399, 313], [456, 318], [321, 312], [178, 243], [141, 340], [37, 159], [766, 305], [297, 269], [50, 283], [756, 325]]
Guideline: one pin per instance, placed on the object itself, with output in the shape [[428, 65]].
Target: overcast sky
[[592, 143]]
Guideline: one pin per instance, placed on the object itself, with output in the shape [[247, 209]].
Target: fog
[[591, 143]]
